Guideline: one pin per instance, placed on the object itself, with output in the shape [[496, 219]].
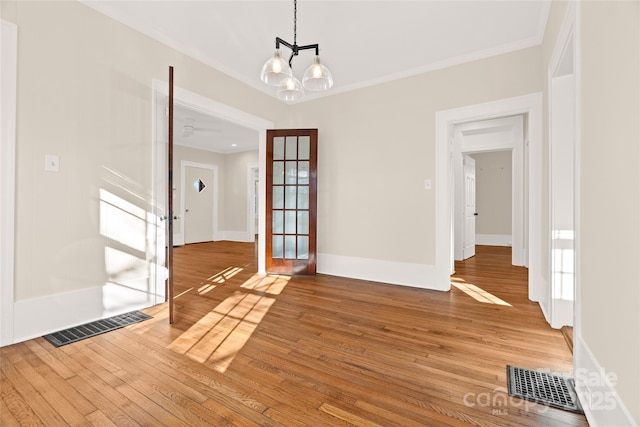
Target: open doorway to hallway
[[499, 179], [196, 123]]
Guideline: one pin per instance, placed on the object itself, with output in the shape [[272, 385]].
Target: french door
[[291, 181]]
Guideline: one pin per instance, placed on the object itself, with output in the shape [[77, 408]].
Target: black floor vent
[[95, 328], [543, 388]]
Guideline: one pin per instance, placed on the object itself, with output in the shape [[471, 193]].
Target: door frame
[[8, 96], [507, 134], [531, 105], [217, 109], [251, 208], [283, 264], [564, 59], [183, 213]]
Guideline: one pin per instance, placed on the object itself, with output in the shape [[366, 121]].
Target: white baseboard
[[493, 239], [41, 316], [234, 236], [396, 273], [545, 313], [597, 394]]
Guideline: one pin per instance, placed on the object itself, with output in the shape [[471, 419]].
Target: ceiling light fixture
[[276, 72]]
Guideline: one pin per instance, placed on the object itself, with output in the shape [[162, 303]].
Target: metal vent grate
[[98, 327], [543, 388]]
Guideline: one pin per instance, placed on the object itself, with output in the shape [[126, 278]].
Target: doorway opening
[[563, 178], [223, 114], [485, 139], [530, 108]]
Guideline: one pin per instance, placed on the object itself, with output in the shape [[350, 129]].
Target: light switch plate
[[51, 163]]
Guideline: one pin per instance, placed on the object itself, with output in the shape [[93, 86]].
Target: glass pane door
[[291, 201]]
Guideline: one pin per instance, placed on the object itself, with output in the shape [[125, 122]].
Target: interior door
[[469, 246], [198, 193], [291, 180], [169, 260]]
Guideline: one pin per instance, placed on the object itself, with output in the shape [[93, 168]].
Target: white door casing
[[446, 120], [8, 87], [253, 191], [199, 210], [559, 297], [158, 216], [208, 106], [497, 134], [469, 246]]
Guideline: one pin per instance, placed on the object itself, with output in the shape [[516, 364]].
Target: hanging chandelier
[[277, 72]]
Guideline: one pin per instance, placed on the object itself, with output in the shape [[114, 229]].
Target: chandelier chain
[[295, 21]]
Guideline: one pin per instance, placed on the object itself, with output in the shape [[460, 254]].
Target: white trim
[[493, 239], [68, 309], [235, 236], [543, 307], [599, 399], [515, 142], [251, 219], [211, 149], [577, 307], [8, 96], [208, 106], [215, 236], [392, 272], [159, 129], [445, 120], [560, 78]]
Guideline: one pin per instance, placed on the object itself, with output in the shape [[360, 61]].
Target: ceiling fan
[[189, 128]]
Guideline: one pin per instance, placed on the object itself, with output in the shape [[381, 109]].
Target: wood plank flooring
[[319, 351]]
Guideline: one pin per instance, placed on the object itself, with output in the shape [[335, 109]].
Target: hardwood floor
[[322, 350]]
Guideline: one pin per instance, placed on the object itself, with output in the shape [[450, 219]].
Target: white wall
[[377, 146], [610, 199], [188, 154], [236, 197], [93, 109], [607, 340], [232, 191]]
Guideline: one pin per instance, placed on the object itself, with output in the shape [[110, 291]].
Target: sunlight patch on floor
[[183, 293], [206, 288], [270, 284], [225, 275], [218, 336], [478, 293]]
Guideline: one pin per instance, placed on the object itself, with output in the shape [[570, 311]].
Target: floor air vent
[[98, 327], [543, 388]]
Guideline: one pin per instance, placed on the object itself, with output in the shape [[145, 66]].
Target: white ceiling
[[211, 133], [362, 42]]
